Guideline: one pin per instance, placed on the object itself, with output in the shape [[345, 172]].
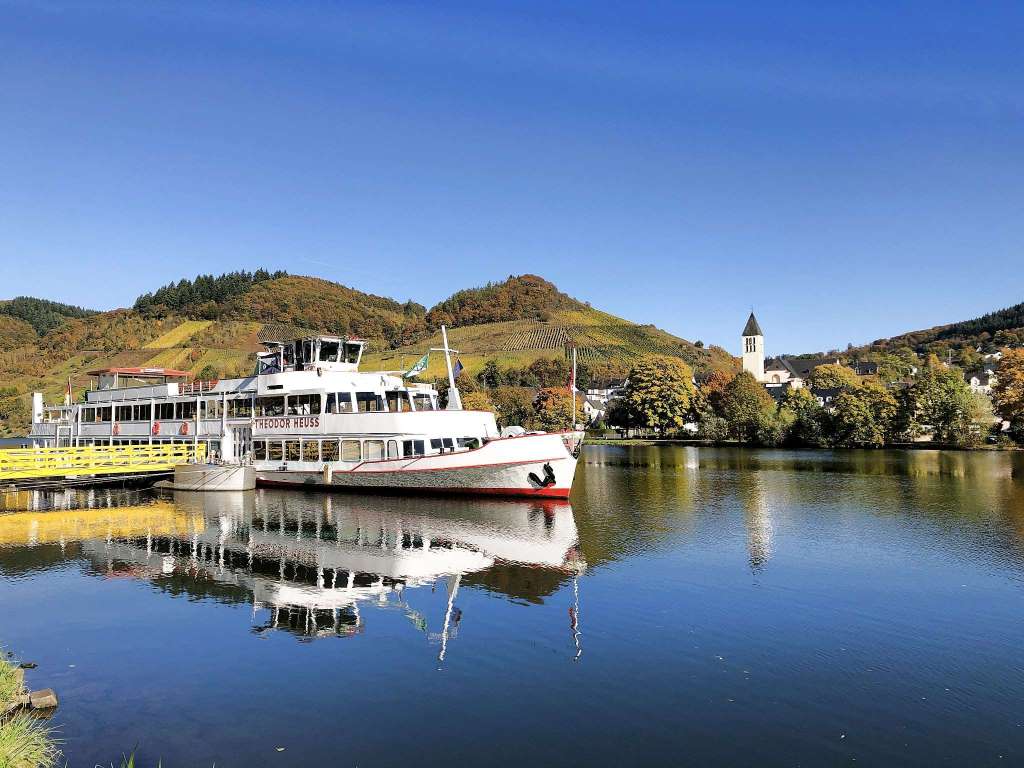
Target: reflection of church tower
[[758, 514], [753, 348]]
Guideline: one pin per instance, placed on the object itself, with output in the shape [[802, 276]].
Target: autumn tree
[[477, 401], [713, 389], [552, 409], [659, 392], [833, 376], [1008, 393], [746, 405]]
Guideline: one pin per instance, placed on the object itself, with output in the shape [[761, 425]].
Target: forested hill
[[212, 326], [40, 314], [995, 330], [526, 297]]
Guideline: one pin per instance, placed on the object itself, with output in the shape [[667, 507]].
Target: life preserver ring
[[156, 427], [184, 429], [117, 429]]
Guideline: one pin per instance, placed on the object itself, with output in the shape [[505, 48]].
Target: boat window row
[[168, 411], [327, 450], [340, 402], [354, 450]]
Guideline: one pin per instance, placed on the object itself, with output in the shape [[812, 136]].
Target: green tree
[[618, 416], [833, 376], [807, 423], [513, 406], [490, 375], [745, 405], [208, 373], [659, 392], [864, 416], [942, 402]]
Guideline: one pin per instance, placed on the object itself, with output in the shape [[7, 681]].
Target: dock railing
[[24, 463]]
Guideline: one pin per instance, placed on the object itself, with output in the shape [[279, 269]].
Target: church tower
[[753, 348]]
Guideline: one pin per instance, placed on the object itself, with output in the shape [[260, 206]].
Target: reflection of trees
[[632, 498]]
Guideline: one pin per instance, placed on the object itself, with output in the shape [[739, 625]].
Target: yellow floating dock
[[33, 463]]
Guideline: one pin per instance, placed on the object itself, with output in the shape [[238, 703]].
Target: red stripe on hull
[[543, 493]]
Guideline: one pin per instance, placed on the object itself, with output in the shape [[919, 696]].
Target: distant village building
[[981, 381], [595, 402], [593, 410]]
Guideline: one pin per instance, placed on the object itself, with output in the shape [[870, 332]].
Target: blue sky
[[850, 170]]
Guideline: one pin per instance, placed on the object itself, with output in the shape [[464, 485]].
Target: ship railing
[[197, 387], [22, 463]]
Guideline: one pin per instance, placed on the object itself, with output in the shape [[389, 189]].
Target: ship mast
[[454, 401]]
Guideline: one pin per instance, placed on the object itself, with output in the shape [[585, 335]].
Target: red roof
[[143, 373]]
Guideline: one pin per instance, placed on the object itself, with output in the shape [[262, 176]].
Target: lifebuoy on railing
[[184, 429], [156, 427]]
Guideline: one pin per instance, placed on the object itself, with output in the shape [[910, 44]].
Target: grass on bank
[[24, 741]]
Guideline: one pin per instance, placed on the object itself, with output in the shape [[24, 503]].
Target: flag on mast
[[459, 368], [420, 367], [68, 396]]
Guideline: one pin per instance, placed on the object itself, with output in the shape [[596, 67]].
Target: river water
[[688, 607]]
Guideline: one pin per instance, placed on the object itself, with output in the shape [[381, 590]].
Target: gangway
[[127, 460]]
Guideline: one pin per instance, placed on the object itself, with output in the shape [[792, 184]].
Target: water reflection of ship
[[306, 563]]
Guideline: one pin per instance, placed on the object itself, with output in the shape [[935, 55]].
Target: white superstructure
[[308, 416]]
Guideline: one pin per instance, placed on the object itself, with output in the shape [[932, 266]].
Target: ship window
[[374, 450], [329, 452], [311, 450], [270, 406], [350, 450], [274, 452], [339, 403], [412, 448], [369, 402], [435, 444], [329, 351], [141, 412], [165, 410], [468, 442], [291, 450], [212, 409], [259, 450], [397, 401], [392, 449], [449, 444], [424, 403], [303, 405], [186, 410], [240, 408], [352, 353]]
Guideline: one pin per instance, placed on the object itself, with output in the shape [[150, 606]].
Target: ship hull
[[530, 466]]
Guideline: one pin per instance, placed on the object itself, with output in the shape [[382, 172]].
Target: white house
[[981, 381]]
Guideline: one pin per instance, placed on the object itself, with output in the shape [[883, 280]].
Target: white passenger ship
[[309, 417]]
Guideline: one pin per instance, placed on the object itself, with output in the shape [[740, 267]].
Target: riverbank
[[24, 741]]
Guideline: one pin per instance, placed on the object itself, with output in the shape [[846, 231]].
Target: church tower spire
[[753, 348]]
